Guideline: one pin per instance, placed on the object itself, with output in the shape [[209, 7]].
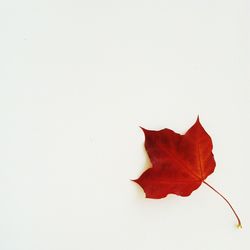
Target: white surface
[[77, 79]]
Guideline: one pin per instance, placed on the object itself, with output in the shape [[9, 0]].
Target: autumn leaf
[[180, 163]]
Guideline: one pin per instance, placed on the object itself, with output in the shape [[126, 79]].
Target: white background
[[77, 79]]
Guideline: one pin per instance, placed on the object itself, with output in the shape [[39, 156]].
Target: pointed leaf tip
[[198, 118], [143, 129]]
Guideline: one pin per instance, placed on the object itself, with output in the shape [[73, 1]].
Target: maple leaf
[[180, 163]]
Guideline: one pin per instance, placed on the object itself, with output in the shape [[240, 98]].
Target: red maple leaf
[[180, 163]]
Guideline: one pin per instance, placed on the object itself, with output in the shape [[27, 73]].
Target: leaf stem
[[236, 215]]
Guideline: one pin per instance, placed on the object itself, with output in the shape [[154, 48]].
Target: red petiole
[[236, 215]]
